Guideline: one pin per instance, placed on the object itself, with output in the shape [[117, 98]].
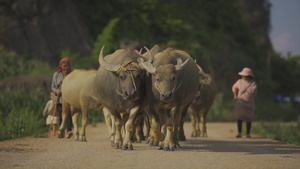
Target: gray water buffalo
[[199, 108], [78, 91], [174, 84], [120, 86]]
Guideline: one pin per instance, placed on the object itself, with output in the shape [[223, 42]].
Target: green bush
[[221, 110], [21, 114], [22, 122], [267, 110], [279, 131], [12, 65]]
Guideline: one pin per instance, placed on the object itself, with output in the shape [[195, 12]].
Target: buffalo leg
[[176, 116], [168, 144], [197, 125], [65, 109], [108, 121], [203, 123], [193, 122], [155, 128], [127, 144], [75, 124], [118, 124], [82, 136], [181, 124]]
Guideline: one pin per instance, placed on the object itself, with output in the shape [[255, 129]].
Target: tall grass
[[286, 132], [21, 114]]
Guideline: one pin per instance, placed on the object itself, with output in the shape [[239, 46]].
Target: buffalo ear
[[204, 78]]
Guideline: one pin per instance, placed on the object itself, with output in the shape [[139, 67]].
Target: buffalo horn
[[149, 69], [180, 64], [200, 69], [105, 65], [148, 64]]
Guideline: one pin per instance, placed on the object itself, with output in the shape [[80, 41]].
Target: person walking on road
[[244, 91], [52, 118], [62, 71]]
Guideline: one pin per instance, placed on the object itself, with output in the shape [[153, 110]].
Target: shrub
[[21, 114], [22, 122], [279, 131], [221, 109]]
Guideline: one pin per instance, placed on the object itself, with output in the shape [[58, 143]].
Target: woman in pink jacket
[[244, 91]]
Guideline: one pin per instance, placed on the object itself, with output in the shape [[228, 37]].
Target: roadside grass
[[21, 114], [283, 131]]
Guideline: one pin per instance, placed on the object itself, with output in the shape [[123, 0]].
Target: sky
[[285, 26]]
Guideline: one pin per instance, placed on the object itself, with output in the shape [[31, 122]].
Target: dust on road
[[220, 150]]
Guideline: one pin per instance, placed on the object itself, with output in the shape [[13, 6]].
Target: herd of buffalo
[[159, 87]]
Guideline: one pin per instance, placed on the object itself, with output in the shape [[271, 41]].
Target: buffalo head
[[204, 80], [164, 77], [129, 74]]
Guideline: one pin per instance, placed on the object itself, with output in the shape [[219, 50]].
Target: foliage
[[223, 36], [106, 38], [220, 110], [279, 131], [21, 114], [268, 110], [76, 61], [283, 66], [12, 64]]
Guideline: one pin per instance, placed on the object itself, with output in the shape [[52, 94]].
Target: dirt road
[[220, 150]]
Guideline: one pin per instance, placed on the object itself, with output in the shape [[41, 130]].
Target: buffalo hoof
[[156, 143], [124, 147], [77, 139], [130, 147], [151, 144], [166, 149], [61, 134], [117, 146], [82, 140], [204, 135], [169, 149]]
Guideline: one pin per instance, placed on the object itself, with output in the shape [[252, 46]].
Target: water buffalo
[[78, 91], [199, 108], [148, 118], [120, 85], [174, 84]]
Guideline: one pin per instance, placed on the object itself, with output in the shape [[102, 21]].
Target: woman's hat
[[246, 72], [63, 60], [58, 69]]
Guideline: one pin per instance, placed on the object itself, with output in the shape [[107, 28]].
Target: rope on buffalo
[[129, 66]]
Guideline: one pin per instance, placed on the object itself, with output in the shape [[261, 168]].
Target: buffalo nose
[[197, 97], [167, 95], [129, 94]]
